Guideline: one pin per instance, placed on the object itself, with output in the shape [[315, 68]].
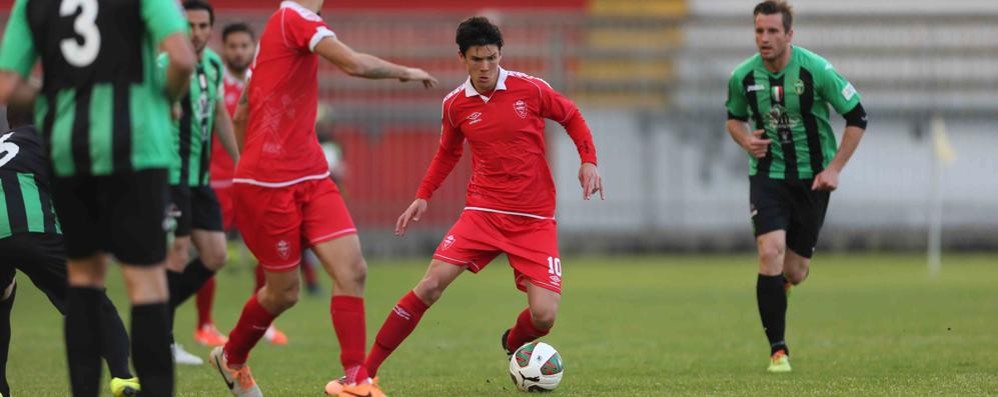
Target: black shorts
[[121, 214], [195, 208], [788, 205], [41, 257]]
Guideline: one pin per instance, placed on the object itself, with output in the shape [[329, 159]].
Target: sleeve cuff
[[321, 32], [732, 116]]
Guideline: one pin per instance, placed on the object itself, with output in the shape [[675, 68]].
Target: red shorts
[[530, 244], [277, 222], [224, 195]]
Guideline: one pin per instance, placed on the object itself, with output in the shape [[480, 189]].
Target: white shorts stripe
[[507, 212], [331, 235], [280, 184]]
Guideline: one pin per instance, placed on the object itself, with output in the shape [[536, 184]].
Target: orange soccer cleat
[[208, 335]]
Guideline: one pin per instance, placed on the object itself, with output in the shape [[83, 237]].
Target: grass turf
[[642, 326]]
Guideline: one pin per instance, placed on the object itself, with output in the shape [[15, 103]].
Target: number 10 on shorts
[[554, 266]]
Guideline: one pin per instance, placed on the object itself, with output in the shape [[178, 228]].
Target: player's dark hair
[[770, 7], [201, 5], [477, 31], [20, 115], [238, 27]]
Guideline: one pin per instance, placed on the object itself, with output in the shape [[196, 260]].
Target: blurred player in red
[[284, 198], [511, 196]]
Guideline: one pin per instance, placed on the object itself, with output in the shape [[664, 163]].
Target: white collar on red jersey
[[470, 91], [304, 12]]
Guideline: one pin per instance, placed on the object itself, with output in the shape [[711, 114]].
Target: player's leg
[[138, 240], [405, 316], [532, 248], [802, 237], [43, 260], [771, 205], [201, 271], [78, 202]]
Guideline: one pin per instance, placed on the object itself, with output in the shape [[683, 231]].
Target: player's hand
[[419, 75], [411, 214], [591, 181], [756, 145], [827, 180], [176, 111]]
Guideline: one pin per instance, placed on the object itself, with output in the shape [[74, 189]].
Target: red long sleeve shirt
[[505, 132]]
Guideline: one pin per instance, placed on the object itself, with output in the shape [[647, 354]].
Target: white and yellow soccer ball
[[536, 366]]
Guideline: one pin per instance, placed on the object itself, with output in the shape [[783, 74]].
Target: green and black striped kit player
[[192, 132], [102, 108], [25, 206], [792, 107]]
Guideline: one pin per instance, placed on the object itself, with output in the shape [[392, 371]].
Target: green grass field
[[644, 326]]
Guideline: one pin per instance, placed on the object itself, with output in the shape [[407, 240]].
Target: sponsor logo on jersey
[[521, 108], [756, 87], [474, 118], [848, 92]]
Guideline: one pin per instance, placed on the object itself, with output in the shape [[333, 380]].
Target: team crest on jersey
[[283, 249], [521, 108], [448, 241], [799, 87]]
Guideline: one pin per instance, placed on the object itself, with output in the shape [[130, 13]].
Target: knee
[[771, 256], [214, 259], [429, 289], [543, 318], [351, 281], [279, 299], [797, 275]]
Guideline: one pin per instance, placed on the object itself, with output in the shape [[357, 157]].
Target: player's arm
[[835, 89], [737, 106], [240, 117], [168, 28], [557, 107], [225, 130], [368, 66], [448, 154], [17, 56], [178, 71]]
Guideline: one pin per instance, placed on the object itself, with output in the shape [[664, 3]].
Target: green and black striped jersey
[[102, 108], [792, 107], [25, 203], [192, 132]]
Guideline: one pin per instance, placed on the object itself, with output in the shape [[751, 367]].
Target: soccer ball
[[536, 366]]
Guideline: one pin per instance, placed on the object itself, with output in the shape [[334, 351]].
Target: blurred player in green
[[199, 217], [784, 92], [104, 113]]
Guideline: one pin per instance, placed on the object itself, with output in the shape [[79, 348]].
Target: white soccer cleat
[[181, 356], [240, 382]]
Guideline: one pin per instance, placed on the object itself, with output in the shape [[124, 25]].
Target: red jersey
[[222, 166], [281, 148], [510, 173]]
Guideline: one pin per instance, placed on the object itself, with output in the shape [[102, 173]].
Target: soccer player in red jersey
[[283, 195], [511, 196]]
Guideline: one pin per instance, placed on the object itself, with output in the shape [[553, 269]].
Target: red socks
[[399, 324], [253, 323], [524, 331], [348, 321], [206, 295]]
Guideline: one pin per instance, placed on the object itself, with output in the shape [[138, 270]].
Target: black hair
[[238, 27], [770, 7], [201, 5], [477, 31]]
